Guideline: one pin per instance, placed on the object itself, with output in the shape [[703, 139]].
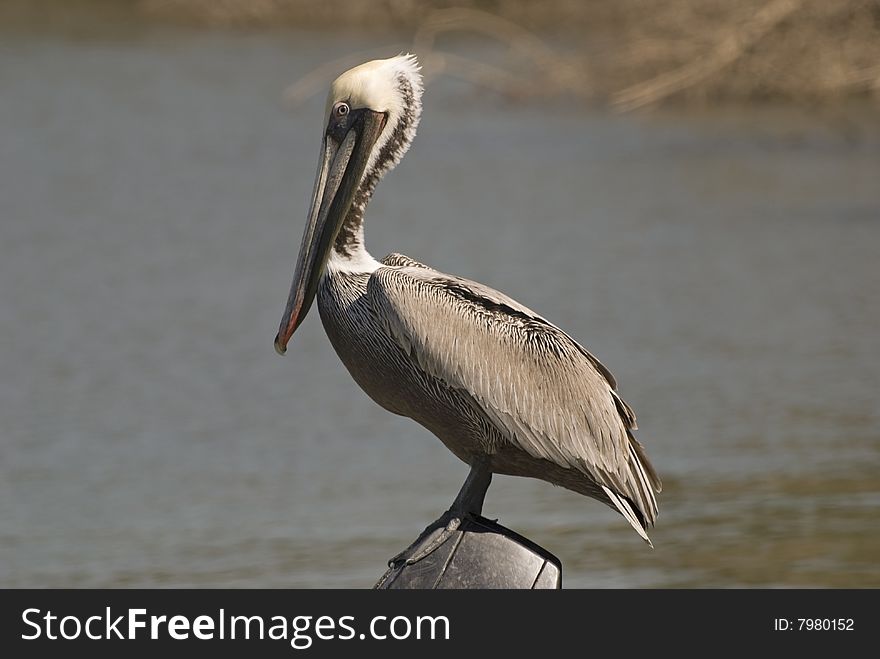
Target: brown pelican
[[504, 389]]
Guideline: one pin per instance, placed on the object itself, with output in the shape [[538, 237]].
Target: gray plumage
[[489, 377]]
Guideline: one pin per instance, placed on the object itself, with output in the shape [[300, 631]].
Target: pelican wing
[[544, 392]]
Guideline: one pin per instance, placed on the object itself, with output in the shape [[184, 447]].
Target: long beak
[[340, 171]]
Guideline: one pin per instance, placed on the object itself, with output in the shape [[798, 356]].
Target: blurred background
[[690, 188]]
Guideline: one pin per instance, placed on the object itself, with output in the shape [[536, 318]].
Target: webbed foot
[[431, 539]]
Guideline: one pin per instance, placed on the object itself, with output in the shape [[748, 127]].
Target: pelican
[[504, 389]]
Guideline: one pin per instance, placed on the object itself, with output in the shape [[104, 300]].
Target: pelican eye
[[341, 109]]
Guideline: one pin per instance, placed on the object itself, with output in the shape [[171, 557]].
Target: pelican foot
[[431, 539]]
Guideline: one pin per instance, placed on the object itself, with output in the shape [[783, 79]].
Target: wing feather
[[545, 392]]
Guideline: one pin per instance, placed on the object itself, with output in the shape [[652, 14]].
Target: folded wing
[[544, 392]]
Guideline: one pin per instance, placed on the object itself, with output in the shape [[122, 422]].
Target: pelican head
[[370, 120]]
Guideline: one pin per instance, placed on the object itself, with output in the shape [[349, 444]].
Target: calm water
[[154, 188]]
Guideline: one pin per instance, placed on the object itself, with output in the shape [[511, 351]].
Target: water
[[154, 188]]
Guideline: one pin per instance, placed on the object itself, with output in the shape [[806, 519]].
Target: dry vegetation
[[626, 53]]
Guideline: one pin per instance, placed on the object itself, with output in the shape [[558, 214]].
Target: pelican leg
[[468, 504]]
